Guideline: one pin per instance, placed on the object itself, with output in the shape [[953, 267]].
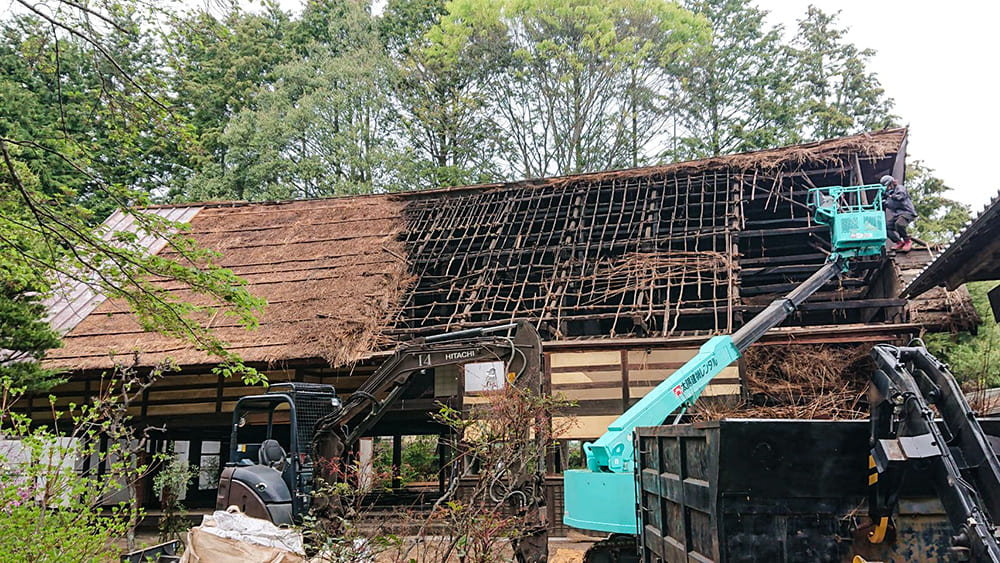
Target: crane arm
[[613, 452], [602, 496]]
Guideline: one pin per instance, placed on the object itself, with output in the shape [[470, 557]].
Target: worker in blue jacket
[[899, 212]]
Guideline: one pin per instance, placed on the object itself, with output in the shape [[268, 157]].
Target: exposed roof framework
[[684, 249], [622, 255]]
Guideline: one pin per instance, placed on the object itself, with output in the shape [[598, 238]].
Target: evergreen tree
[[24, 339], [939, 218], [322, 124], [737, 94], [217, 64], [839, 95]]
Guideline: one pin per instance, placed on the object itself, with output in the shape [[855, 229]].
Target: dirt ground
[[561, 550], [567, 550]]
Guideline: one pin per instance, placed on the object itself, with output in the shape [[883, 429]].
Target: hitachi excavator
[[602, 497], [289, 443]]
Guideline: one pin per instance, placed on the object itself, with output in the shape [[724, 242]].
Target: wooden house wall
[[602, 383]]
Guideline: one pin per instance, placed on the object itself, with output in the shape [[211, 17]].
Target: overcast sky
[[936, 60]]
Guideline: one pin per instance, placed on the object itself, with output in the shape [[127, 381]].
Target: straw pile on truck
[[799, 381]]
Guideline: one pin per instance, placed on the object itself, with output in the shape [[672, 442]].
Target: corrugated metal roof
[[75, 297]]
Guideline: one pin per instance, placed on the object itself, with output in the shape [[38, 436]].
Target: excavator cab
[[270, 468]]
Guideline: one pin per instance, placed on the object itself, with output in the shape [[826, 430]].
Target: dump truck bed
[[757, 490]]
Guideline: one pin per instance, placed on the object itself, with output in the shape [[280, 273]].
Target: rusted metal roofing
[[972, 255], [74, 298]]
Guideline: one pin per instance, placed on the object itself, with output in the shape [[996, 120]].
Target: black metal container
[[774, 491]]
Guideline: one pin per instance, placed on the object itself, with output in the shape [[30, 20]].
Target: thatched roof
[[347, 276], [330, 270]]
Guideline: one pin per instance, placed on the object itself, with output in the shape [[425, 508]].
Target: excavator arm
[[339, 430], [517, 345], [954, 452]]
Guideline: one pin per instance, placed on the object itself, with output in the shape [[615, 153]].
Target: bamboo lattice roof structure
[[679, 250]]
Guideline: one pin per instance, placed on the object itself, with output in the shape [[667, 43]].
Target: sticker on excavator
[[484, 376]]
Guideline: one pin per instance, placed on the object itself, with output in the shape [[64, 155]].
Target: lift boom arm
[[602, 496], [613, 451], [610, 460]]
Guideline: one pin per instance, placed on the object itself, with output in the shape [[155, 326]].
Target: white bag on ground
[[231, 537]]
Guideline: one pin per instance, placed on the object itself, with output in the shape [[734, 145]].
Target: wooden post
[[397, 459], [441, 445]]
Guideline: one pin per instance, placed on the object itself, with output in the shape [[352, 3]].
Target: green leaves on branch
[[86, 129], [939, 218], [573, 85], [750, 90]]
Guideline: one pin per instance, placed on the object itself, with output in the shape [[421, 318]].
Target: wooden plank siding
[[604, 383]]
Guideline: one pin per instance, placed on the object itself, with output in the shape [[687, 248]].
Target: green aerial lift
[[602, 497]]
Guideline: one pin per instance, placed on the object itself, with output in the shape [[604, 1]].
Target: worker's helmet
[[886, 180]]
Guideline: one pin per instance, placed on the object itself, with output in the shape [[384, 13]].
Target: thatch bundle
[[800, 381]]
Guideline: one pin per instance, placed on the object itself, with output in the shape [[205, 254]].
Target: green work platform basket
[[854, 215]]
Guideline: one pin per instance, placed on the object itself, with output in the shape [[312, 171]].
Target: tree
[[24, 336], [323, 125], [576, 85], [443, 114], [737, 94], [57, 94], [839, 96], [939, 218], [217, 65], [97, 137], [974, 359]]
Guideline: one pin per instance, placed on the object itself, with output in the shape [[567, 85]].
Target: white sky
[[938, 61], [935, 61]]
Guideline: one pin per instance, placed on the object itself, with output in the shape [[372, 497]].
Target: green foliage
[[316, 123], [738, 94], [24, 336], [973, 359], [52, 510], [575, 85], [216, 66], [172, 479], [939, 218], [442, 113], [419, 460], [838, 94], [85, 134]]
